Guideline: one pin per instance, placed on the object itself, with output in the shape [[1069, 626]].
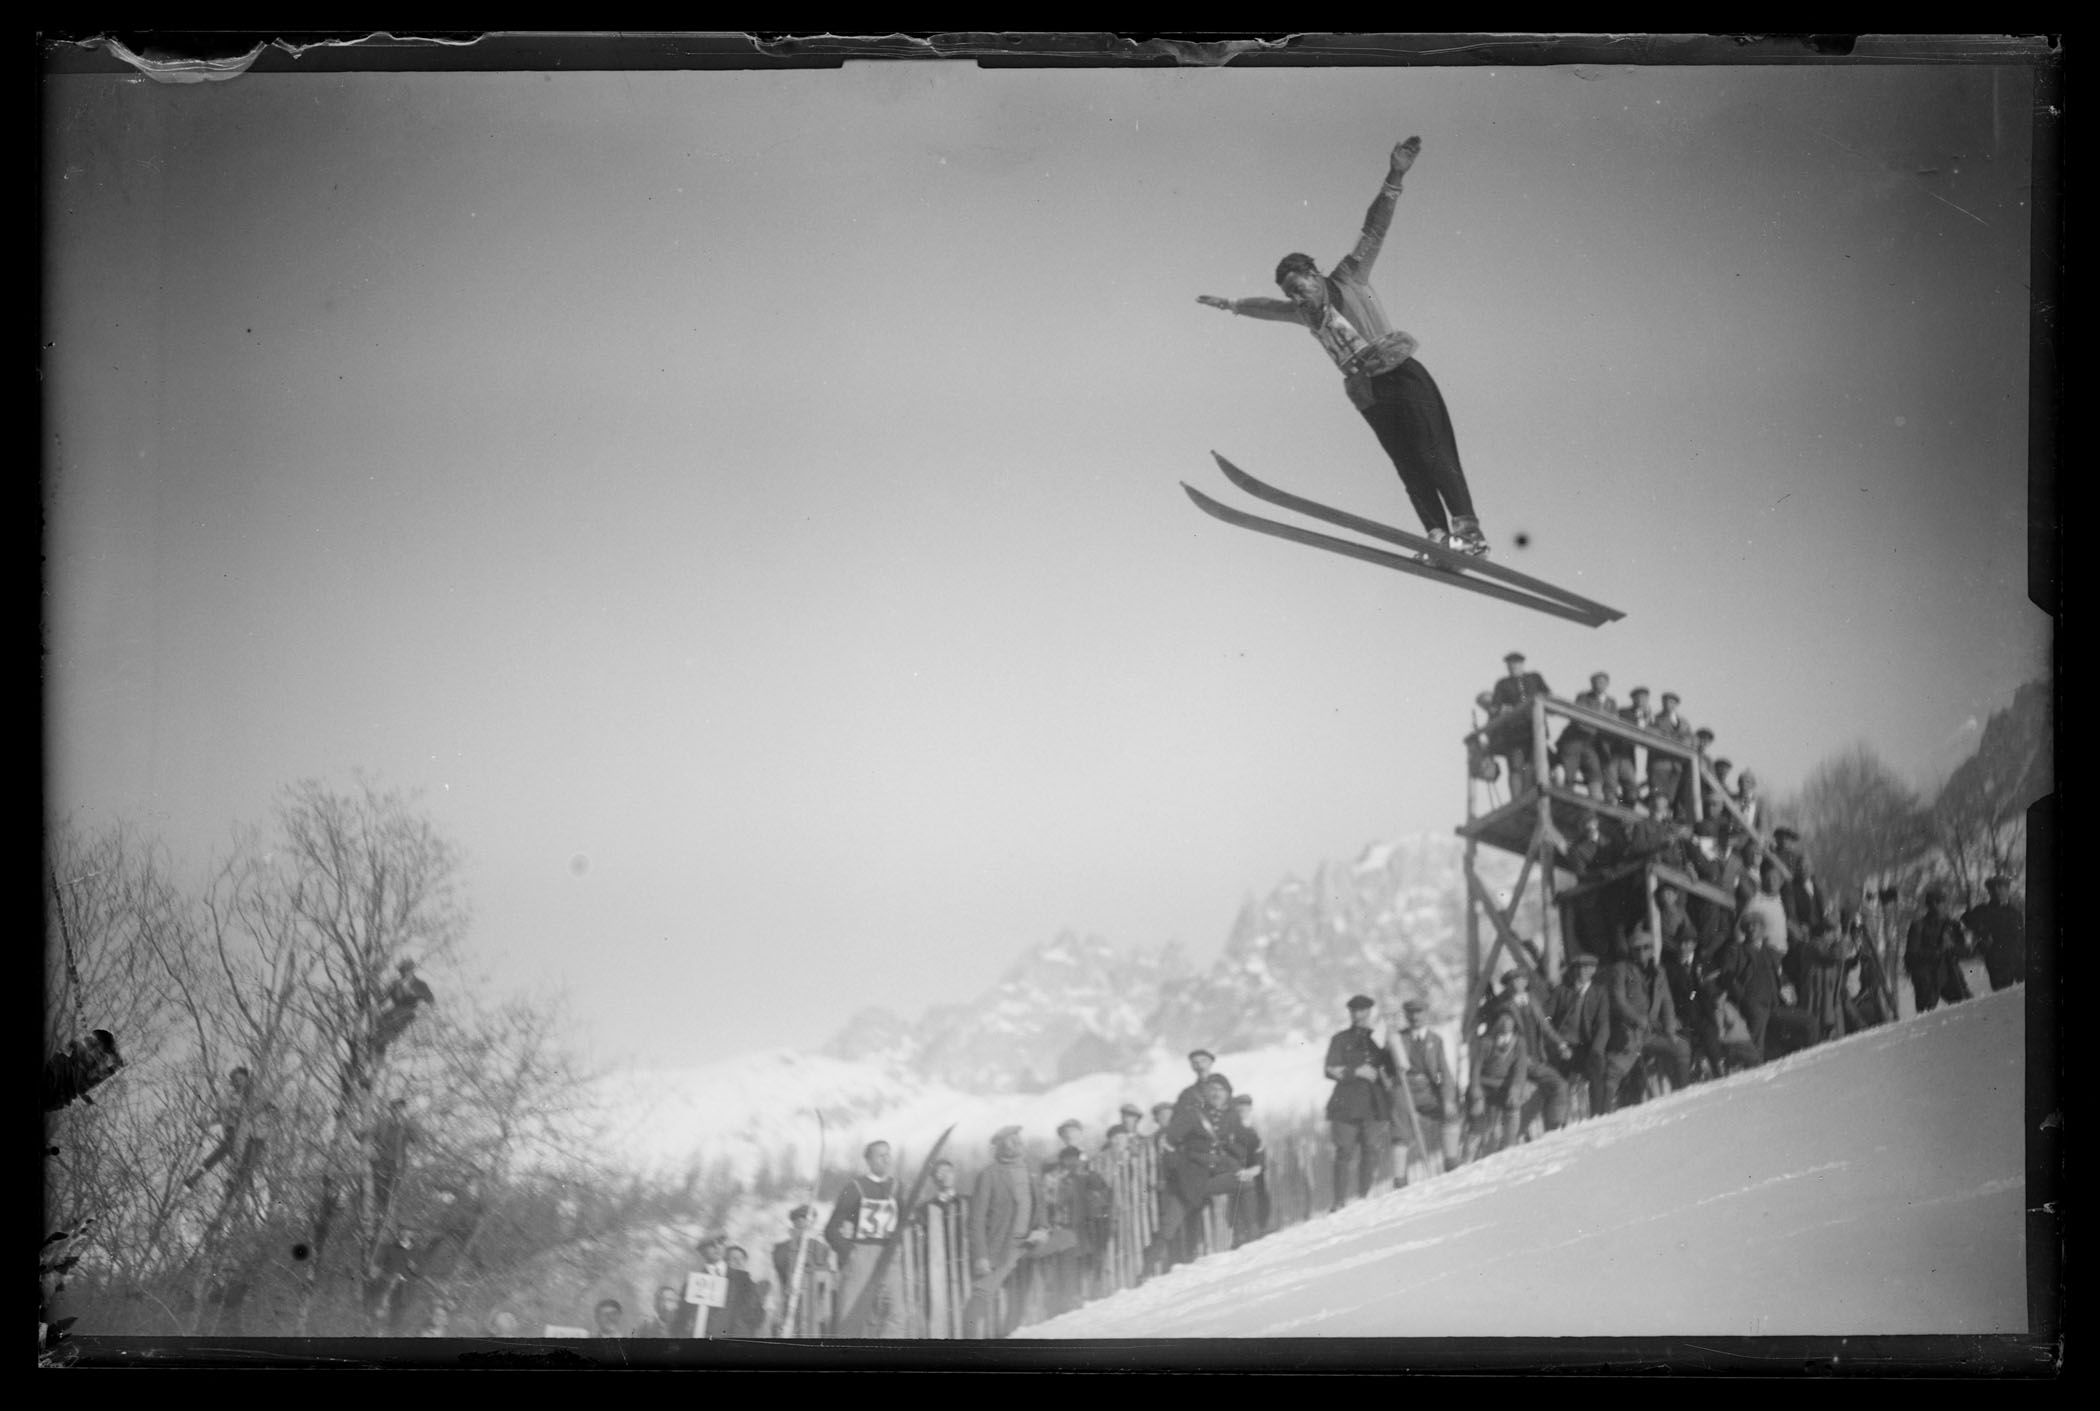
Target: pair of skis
[[1475, 575]]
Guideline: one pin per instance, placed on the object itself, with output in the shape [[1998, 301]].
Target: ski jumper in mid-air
[[1379, 371]]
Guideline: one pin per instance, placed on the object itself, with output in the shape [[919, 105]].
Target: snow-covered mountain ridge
[[1077, 1027]]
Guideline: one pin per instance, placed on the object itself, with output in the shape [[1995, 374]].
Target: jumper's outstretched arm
[[1281, 310], [1379, 218]]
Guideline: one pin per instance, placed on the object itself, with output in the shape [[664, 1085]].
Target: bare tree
[[121, 954], [1860, 821]]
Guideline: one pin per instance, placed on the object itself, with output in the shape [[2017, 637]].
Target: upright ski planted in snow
[[856, 1317], [1446, 559], [816, 1194]]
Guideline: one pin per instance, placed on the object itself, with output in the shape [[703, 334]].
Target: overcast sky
[[745, 504]]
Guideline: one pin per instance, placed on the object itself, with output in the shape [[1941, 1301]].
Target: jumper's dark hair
[[1295, 264]]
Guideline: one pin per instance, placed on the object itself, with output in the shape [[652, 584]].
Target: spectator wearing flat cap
[[818, 1267], [1932, 952], [1580, 1013], [2000, 929], [1069, 1133], [1749, 801], [1202, 1062], [1203, 1164], [1592, 851], [1643, 1019], [1509, 719], [1624, 766], [1666, 771], [1584, 754], [1360, 1110], [1498, 1082], [1432, 1090], [1542, 1043], [1807, 903], [1162, 1118]]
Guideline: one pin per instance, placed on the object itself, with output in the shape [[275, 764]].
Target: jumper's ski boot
[[1466, 537], [1440, 538]]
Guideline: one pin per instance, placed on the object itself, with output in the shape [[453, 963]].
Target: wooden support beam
[[1505, 938]]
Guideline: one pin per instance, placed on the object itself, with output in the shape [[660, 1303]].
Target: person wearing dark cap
[[1581, 1015], [1585, 754], [1431, 1090], [1807, 904], [1509, 720], [1380, 373], [1360, 1110], [1543, 1046], [2001, 931], [1665, 770], [1202, 1062], [1203, 1165], [1591, 852], [1498, 1082], [1643, 1019], [1624, 767], [1069, 1132], [1932, 952]]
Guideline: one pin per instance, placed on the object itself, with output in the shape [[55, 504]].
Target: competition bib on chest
[[1340, 338], [877, 1218]]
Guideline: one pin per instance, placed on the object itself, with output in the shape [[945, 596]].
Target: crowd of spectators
[[1685, 989], [1024, 1237], [1695, 986]]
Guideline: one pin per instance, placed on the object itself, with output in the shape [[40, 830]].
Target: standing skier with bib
[[1379, 371]]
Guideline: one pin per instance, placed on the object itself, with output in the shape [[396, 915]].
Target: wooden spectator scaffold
[[1537, 822]]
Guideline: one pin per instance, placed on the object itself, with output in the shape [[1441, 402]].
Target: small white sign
[[707, 1290], [563, 1330]]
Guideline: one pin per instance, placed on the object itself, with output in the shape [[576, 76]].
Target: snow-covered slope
[[1873, 1186]]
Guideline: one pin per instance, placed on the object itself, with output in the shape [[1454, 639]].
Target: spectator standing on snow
[[1498, 1081], [1543, 1047], [605, 1318], [1252, 1211], [1203, 1164], [1202, 1062], [1360, 1109], [1007, 1219], [861, 1224], [1431, 1089], [1581, 1015], [1643, 1021], [1932, 953], [2001, 931], [818, 1263]]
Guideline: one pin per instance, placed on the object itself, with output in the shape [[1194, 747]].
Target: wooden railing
[[936, 1258]]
